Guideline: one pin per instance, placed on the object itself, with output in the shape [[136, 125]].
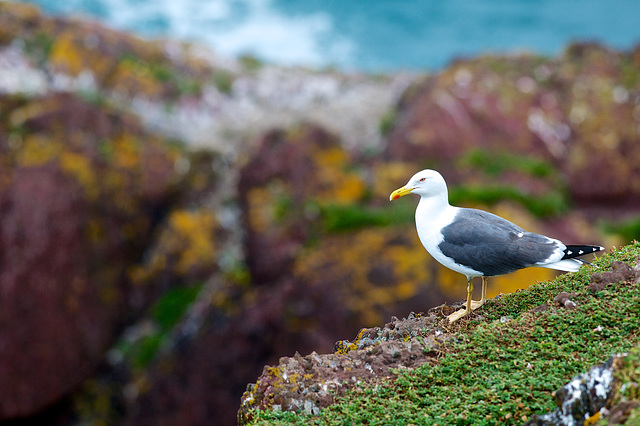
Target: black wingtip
[[578, 250]]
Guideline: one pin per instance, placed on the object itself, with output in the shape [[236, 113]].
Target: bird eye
[[423, 179]]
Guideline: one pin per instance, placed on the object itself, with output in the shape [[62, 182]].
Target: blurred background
[[191, 190], [360, 35]]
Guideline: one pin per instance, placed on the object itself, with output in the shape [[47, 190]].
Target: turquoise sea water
[[384, 35]]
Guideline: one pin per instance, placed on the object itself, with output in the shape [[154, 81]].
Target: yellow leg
[[469, 295], [471, 304], [476, 304], [484, 289]]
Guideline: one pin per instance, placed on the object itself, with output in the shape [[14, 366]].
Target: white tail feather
[[569, 265]]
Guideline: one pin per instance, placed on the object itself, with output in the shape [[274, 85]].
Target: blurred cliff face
[[159, 245]]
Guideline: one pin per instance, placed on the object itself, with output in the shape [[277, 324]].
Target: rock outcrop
[[307, 385], [80, 196], [578, 113]]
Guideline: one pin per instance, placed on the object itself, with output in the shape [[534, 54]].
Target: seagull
[[476, 243]]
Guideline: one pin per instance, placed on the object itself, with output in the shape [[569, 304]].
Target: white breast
[[430, 219]]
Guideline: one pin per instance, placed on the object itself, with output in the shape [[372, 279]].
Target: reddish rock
[[620, 273], [310, 383], [574, 112], [200, 380], [563, 299], [290, 169], [79, 194]]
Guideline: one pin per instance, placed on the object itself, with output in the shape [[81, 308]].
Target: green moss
[[630, 73], [146, 349], [498, 372], [39, 46], [165, 314], [170, 308], [494, 163], [250, 63], [629, 229], [94, 97], [161, 72], [283, 208], [189, 87], [387, 122], [341, 218], [239, 274], [628, 376], [164, 73], [223, 81], [553, 203]]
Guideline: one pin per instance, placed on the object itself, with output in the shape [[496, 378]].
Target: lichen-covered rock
[[292, 173], [107, 59], [582, 398], [575, 112], [308, 219], [310, 383], [606, 394], [80, 190]]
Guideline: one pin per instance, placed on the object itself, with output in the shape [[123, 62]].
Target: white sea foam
[[365, 35], [231, 27]]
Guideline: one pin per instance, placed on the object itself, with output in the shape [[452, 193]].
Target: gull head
[[427, 183]]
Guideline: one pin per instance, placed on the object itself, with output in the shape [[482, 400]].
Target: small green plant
[[630, 73], [166, 313], [250, 62], [146, 349], [342, 218], [39, 46], [170, 308], [552, 203], [223, 80], [629, 229], [496, 163], [387, 122]]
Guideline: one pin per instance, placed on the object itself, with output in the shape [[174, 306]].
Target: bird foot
[[457, 315], [475, 304]]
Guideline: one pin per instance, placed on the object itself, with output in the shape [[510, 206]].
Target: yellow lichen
[[37, 150], [352, 261], [389, 176], [260, 202], [187, 243], [95, 230], [65, 53], [192, 232], [126, 151], [334, 180], [80, 168], [135, 77]]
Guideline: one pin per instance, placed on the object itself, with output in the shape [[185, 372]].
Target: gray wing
[[492, 245]]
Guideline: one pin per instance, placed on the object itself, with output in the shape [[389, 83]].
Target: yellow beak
[[400, 192]]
